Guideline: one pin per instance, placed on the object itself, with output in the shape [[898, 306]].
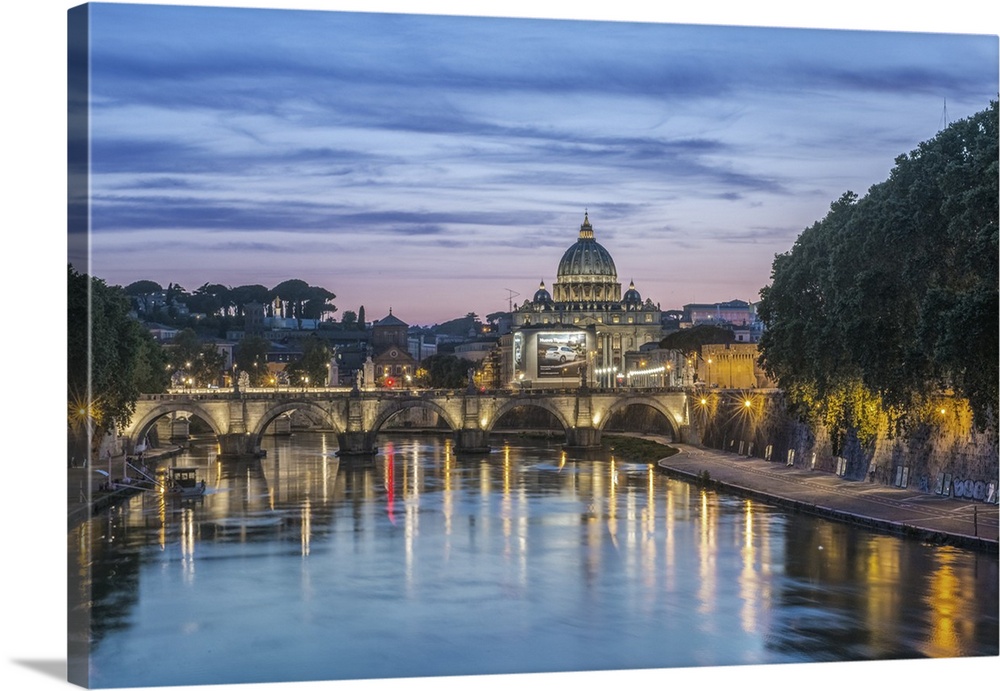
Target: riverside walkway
[[895, 510]]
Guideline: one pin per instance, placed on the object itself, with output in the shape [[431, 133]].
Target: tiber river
[[301, 566]]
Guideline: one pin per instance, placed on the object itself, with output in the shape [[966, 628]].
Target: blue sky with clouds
[[433, 163]]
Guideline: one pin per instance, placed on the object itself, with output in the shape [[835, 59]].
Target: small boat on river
[[184, 483]]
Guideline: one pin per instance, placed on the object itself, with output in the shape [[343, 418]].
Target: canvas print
[[420, 346]]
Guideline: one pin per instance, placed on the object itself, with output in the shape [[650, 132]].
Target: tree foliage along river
[[891, 299]]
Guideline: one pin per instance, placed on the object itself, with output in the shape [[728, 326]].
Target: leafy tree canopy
[[113, 361], [896, 292], [251, 357], [143, 288], [691, 340], [200, 363], [443, 371], [460, 326], [312, 369]]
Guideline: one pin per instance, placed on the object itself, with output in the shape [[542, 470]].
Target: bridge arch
[[529, 401], [397, 406], [273, 412], [650, 402], [139, 430]]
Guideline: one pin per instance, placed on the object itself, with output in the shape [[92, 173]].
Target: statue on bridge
[[243, 380]]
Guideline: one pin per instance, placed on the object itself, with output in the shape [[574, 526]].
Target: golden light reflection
[[306, 537], [448, 501], [161, 514], [669, 547], [505, 507], [948, 598], [649, 532], [749, 582], [880, 569], [187, 544], [706, 559]]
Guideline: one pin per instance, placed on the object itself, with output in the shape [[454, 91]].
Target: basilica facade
[[581, 331]]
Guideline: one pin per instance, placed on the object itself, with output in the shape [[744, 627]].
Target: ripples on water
[[301, 566]]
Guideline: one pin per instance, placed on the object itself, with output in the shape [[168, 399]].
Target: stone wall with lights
[[942, 453]]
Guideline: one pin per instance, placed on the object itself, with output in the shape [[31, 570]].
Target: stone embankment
[[940, 454]]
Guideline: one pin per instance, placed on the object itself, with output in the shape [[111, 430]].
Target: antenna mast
[[511, 294]]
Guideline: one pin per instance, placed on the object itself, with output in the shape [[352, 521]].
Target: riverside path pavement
[[896, 510]]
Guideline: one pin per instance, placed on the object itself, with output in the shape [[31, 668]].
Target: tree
[[291, 293], [312, 369], [690, 341], [251, 357], [893, 297], [444, 371], [349, 319], [245, 295], [462, 326], [198, 363], [210, 299], [142, 288], [111, 360], [318, 302], [302, 300]]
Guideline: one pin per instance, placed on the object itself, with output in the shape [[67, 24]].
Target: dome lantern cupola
[[586, 230], [542, 297], [632, 299]]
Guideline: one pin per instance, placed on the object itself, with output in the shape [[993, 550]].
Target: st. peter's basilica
[[581, 331]]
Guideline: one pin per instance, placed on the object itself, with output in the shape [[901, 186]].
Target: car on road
[[561, 354]]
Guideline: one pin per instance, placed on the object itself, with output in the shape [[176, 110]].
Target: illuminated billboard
[[560, 354]]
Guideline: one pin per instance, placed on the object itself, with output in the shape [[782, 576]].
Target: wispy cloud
[[374, 142]]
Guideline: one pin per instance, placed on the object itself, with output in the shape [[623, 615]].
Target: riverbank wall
[[942, 454]]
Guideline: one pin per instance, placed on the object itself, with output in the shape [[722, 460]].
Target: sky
[[437, 165]]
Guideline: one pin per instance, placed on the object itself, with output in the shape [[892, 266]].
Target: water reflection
[[524, 559]]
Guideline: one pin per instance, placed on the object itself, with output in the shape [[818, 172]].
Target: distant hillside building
[[734, 313]]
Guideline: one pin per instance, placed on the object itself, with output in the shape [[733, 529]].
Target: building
[[732, 366], [582, 330], [393, 363], [653, 366]]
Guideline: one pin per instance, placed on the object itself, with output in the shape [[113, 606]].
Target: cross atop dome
[[586, 230]]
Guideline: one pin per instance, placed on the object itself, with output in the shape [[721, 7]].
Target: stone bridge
[[240, 418]]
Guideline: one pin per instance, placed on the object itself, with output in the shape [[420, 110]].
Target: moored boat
[[184, 483]]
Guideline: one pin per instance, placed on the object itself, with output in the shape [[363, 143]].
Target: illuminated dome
[[587, 257], [632, 297], [542, 296], [586, 272]]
